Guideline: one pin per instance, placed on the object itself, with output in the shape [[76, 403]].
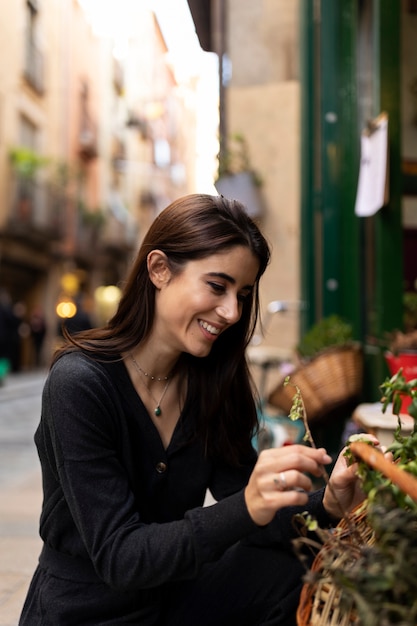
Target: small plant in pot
[[26, 162], [401, 353], [236, 177], [402, 393], [330, 332], [410, 311]]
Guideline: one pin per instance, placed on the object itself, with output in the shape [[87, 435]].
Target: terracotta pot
[[408, 362]]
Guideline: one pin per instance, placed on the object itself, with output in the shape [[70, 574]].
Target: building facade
[[94, 142]]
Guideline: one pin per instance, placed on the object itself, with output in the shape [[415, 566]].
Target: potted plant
[[401, 353], [410, 311], [329, 370], [364, 569], [90, 224], [26, 164], [91, 218], [329, 332], [236, 177]]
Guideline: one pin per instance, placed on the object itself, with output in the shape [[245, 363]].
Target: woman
[[141, 417]]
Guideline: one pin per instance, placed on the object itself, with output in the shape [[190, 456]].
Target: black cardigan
[[129, 510]]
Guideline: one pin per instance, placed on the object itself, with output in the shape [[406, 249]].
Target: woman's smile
[[209, 293], [211, 330]]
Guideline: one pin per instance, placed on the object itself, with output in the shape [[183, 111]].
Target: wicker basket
[[328, 380], [320, 601]]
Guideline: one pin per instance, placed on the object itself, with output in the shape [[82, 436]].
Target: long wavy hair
[[220, 391]]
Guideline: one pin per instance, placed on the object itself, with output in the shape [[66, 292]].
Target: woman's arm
[[80, 419]]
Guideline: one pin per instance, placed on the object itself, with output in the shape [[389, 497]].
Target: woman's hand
[[279, 479], [344, 492]]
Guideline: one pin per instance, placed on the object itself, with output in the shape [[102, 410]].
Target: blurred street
[[20, 490]]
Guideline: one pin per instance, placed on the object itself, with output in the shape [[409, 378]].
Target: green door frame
[[329, 161], [350, 265]]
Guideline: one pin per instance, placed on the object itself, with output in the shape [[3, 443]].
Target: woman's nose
[[229, 310]]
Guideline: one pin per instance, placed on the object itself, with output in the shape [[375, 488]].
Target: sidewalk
[[22, 384], [20, 491], [20, 545]]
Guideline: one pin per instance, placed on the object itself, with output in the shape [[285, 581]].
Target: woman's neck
[[153, 363]]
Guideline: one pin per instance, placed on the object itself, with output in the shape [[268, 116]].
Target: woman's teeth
[[211, 329]]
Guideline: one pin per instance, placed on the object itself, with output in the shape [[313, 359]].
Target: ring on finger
[[281, 482]]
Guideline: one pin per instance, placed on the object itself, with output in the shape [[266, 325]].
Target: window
[[28, 134], [33, 68]]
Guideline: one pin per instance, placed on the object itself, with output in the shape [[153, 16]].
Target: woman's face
[[194, 307]]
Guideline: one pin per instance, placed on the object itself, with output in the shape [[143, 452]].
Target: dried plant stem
[[310, 439], [298, 411]]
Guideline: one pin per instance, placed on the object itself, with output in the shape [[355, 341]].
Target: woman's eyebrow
[[229, 279]]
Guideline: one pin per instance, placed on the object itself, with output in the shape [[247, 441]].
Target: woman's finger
[[291, 480]]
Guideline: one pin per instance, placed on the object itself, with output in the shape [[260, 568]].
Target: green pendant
[[158, 411]]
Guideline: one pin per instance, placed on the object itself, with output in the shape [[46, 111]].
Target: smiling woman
[[145, 415]]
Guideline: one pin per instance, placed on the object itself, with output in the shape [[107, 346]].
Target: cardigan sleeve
[[89, 509], [282, 530]]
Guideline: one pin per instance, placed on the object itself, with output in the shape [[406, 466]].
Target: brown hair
[[220, 391]]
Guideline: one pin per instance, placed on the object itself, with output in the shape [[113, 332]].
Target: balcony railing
[[87, 140], [119, 235], [36, 210]]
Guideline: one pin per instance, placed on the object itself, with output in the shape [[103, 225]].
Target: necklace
[[157, 410], [138, 367]]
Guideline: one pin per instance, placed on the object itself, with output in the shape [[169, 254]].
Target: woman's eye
[[216, 287], [242, 297]]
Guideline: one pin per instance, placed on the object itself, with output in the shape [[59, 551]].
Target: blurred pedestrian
[[21, 332], [37, 326], [9, 331]]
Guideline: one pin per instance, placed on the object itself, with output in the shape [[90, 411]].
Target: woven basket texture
[[327, 381], [320, 601]]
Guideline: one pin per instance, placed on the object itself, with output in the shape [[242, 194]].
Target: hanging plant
[[26, 162], [236, 177], [95, 218], [235, 160]]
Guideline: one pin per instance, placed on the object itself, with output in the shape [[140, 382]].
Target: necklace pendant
[[157, 411]]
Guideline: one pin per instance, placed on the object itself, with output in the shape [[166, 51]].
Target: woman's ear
[[158, 268]]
